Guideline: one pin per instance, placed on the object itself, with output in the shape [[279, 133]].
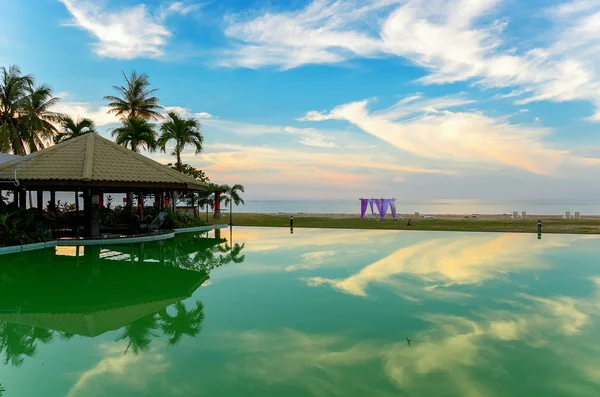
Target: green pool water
[[263, 312]]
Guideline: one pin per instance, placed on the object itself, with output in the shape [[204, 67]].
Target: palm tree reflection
[[184, 323], [33, 307], [20, 341], [140, 333]]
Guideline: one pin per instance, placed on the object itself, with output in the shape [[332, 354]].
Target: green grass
[[564, 226]]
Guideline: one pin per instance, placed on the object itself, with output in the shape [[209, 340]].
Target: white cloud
[[455, 40], [317, 140], [312, 260], [97, 113], [203, 115], [127, 371], [185, 112], [177, 7], [463, 259], [131, 32], [313, 115], [467, 137]]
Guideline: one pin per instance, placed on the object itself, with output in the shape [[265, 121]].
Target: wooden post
[[16, 196], [40, 200], [95, 213], [87, 213], [130, 204], [22, 199], [77, 215], [52, 199], [141, 205]]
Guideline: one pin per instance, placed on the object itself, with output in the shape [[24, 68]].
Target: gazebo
[[92, 166]]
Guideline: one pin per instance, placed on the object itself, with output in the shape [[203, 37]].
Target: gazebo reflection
[[89, 291]]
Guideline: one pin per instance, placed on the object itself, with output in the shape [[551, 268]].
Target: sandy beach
[[485, 217]]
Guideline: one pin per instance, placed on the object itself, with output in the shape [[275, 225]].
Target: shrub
[[20, 226], [177, 220]]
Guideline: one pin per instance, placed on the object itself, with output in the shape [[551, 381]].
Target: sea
[[424, 207], [440, 206]]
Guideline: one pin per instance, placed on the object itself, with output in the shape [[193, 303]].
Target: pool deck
[[140, 238]]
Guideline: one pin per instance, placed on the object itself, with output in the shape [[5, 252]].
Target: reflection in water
[[71, 291], [397, 314], [446, 261]]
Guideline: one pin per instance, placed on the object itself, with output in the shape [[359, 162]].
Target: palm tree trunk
[[231, 214], [178, 161]]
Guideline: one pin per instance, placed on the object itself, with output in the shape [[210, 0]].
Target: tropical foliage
[[70, 128], [20, 226], [178, 220], [182, 132], [188, 170], [136, 133], [26, 116], [227, 194], [136, 100]]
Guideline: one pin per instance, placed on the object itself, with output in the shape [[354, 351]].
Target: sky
[[340, 99]]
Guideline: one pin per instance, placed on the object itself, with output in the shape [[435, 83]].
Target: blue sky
[[492, 99]]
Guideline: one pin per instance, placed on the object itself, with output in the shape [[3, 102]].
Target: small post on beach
[[292, 224], [539, 228]]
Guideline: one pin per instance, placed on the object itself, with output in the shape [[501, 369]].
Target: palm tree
[[136, 100], [233, 197], [25, 112], [136, 133], [139, 333], [183, 323], [184, 132], [73, 128], [41, 118]]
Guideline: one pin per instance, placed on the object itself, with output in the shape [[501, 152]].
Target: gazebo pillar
[[91, 212], [40, 200], [16, 196], [141, 205], [22, 199], [52, 199]]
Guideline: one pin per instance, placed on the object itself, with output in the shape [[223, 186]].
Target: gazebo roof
[[5, 157], [93, 161]]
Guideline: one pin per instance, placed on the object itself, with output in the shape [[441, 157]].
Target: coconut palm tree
[[233, 197], [42, 119], [184, 322], [136, 99], [184, 132], [140, 333], [26, 118], [136, 133], [73, 128]]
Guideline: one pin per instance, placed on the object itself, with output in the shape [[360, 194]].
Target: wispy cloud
[[455, 40], [129, 32], [78, 109], [434, 132], [185, 112]]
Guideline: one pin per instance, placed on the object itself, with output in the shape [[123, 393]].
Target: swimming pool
[[314, 313]]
